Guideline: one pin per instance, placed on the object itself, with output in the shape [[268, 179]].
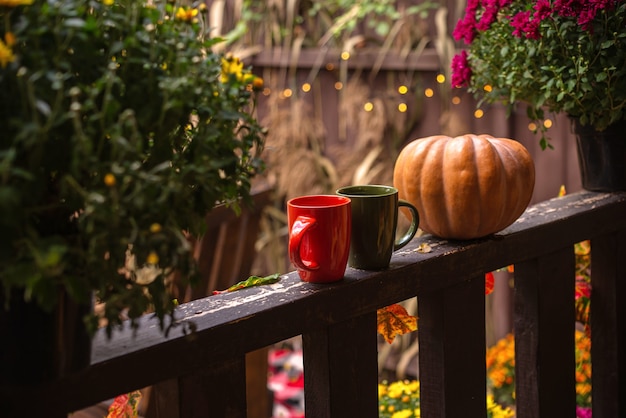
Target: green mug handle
[[415, 221]]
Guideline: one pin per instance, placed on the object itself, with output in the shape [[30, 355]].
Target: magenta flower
[[566, 8], [461, 71], [542, 10], [466, 28], [519, 22], [488, 17], [583, 412], [590, 9]]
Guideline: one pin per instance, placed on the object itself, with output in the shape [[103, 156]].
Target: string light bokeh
[[402, 92]]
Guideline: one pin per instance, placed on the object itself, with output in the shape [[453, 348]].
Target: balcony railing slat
[[544, 336], [452, 350], [341, 359], [608, 325], [219, 391]]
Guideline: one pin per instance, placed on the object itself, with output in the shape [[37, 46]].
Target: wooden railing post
[[340, 369], [608, 325], [215, 393], [452, 351], [544, 336]]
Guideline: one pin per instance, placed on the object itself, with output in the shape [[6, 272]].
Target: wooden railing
[[338, 327]]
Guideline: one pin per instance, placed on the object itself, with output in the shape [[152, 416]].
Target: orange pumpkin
[[465, 187]]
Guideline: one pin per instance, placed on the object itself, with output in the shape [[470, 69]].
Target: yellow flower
[[496, 410], [186, 14], [6, 55], [232, 65], [405, 413]]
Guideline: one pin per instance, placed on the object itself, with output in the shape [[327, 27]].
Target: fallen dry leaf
[[424, 248], [395, 320]]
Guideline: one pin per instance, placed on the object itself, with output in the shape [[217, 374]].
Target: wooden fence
[[338, 326]]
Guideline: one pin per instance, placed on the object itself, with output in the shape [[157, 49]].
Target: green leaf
[[607, 44], [250, 282]]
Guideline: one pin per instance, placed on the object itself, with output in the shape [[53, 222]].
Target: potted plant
[[121, 129], [559, 56]]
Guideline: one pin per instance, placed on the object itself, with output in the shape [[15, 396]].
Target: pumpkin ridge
[[498, 185], [518, 205], [434, 184]]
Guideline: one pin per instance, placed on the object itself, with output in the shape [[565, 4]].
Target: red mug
[[319, 236]]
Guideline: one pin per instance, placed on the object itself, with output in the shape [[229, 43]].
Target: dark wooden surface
[[608, 325], [544, 335], [337, 322]]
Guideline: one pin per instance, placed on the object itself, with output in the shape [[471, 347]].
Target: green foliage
[[566, 57], [121, 130]]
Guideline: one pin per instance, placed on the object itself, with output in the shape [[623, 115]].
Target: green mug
[[374, 223]]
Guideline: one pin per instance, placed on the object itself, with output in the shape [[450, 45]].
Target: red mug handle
[[298, 229]]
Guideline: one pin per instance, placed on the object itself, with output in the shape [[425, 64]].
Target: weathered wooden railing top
[[452, 273]]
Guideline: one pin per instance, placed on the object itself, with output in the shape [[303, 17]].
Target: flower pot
[[602, 157], [39, 346]]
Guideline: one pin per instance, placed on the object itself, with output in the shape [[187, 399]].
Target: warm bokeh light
[[402, 107], [287, 93], [368, 107], [456, 100], [330, 66], [429, 92], [306, 87], [403, 89], [441, 78], [532, 127], [338, 85], [267, 91], [345, 55], [547, 123], [478, 113]]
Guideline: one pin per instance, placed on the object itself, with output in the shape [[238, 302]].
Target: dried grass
[[294, 150]]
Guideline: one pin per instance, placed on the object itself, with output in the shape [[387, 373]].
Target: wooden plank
[[340, 369], [164, 400], [544, 336], [452, 351], [216, 392], [257, 393], [319, 58], [608, 325]]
